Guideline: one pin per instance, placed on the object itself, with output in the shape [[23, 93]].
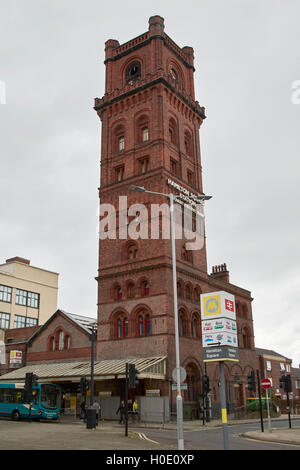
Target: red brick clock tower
[[150, 138]]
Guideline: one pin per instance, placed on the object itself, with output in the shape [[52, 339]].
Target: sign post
[[260, 403], [219, 340], [266, 385]]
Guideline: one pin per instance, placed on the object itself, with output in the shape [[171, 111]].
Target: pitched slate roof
[[85, 323], [147, 367], [269, 352]]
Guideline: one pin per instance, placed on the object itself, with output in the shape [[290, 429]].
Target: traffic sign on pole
[[265, 384]]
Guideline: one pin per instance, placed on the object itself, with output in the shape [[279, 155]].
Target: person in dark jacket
[[122, 412], [83, 410]]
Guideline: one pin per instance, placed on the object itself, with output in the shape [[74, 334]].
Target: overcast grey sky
[[247, 57]]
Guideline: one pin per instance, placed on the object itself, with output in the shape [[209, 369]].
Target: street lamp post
[[93, 338], [179, 406]]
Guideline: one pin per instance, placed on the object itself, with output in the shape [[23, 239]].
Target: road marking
[[143, 436], [262, 441]]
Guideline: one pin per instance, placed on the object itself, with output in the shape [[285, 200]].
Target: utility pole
[[126, 398], [260, 402], [223, 405]]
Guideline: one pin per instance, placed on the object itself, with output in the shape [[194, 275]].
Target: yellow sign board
[[211, 305]]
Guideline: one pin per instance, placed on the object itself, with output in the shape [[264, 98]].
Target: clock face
[[133, 72]]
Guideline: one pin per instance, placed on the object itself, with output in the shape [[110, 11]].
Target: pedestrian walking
[[83, 410], [121, 410], [97, 407], [135, 408]]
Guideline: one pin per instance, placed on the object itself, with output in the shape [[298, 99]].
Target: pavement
[[277, 434]]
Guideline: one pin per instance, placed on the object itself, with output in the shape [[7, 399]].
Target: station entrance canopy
[[149, 367]]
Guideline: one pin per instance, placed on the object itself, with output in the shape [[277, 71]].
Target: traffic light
[[285, 383], [133, 377], [282, 381], [34, 380], [84, 385], [28, 387], [205, 384], [288, 384], [251, 381]]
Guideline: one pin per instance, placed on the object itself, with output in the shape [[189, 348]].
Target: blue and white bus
[[46, 402]]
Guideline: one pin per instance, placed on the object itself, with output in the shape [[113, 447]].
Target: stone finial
[[156, 25], [110, 45]]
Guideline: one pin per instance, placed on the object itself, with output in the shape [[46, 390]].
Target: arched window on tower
[[182, 323], [122, 326], [142, 129], [118, 292], [133, 72], [188, 143], [144, 324], [195, 327], [130, 290], [173, 131], [118, 136], [145, 288], [132, 251], [246, 338]]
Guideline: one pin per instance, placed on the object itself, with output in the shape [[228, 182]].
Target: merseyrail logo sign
[[212, 305], [217, 305]]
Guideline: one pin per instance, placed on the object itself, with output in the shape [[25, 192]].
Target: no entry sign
[[265, 384]]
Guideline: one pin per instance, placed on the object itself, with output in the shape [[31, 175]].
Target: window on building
[[28, 299], [24, 322], [145, 288], [132, 251], [246, 339], [31, 321], [144, 165], [5, 294], [122, 327], [121, 143], [119, 173], [182, 324], [144, 324], [173, 132], [61, 340], [19, 321], [130, 290], [133, 72], [188, 143], [269, 365], [282, 366], [52, 344], [118, 293], [173, 166], [4, 321], [188, 292], [68, 342], [195, 327], [190, 177], [32, 300], [179, 290], [288, 368], [145, 134]]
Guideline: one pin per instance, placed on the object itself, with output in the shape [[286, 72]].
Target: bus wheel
[[15, 415]]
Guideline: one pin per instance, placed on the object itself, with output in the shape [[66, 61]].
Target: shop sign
[[153, 393], [15, 358]]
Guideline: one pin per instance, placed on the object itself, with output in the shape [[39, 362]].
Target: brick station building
[[150, 137]]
